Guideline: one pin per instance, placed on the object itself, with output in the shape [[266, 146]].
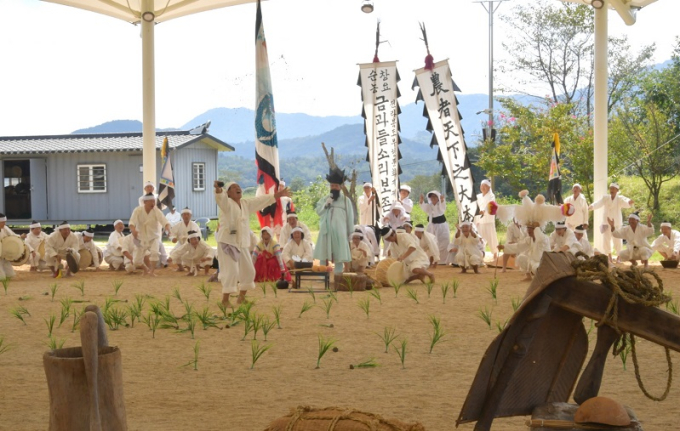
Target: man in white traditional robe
[[529, 249], [34, 238], [395, 217], [6, 269], [237, 273], [149, 222], [578, 200], [635, 234], [85, 242], [612, 204], [486, 222], [513, 235], [194, 254], [134, 256], [435, 208], [367, 206], [404, 199], [150, 188], [292, 222], [58, 243], [360, 252], [563, 239], [404, 248], [469, 254], [582, 241], [668, 243], [113, 252], [179, 233], [428, 243], [173, 216], [370, 240], [298, 249]]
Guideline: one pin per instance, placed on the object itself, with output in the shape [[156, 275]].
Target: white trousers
[[6, 269], [115, 261], [640, 253], [236, 275], [488, 232], [466, 259], [607, 239], [526, 264], [441, 232], [36, 261]]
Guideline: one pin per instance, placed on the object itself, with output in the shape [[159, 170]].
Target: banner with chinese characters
[[379, 93], [437, 90]]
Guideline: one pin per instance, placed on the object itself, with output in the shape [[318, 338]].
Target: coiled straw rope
[[633, 286]]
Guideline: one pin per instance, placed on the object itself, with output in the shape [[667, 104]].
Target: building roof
[[106, 142]]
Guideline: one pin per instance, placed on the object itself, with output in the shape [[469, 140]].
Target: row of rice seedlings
[[205, 289], [117, 284], [4, 347], [267, 326], [365, 305], [401, 351], [5, 284], [257, 351], [485, 315], [206, 318], [191, 325], [136, 309], [80, 285], [327, 305], [305, 307], [324, 345], [413, 294], [115, 317], [54, 287], [50, 324], [369, 363], [19, 312], [493, 289], [375, 292], [437, 332], [53, 344], [189, 310], [194, 362], [388, 336], [223, 309]]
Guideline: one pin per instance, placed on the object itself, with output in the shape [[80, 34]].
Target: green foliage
[[194, 362], [324, 345], [437, 332], [413, 294], [485, 315], [401, 351], [388, 335], [365, 305], [257, 351], [53, 290], [4, 347], [375, 292], [305, 307]]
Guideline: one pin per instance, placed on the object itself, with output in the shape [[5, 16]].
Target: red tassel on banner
[[429, 62], [376, 59]]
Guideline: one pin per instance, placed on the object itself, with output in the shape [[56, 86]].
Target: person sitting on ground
[[85, 242], [297, 249], [404, 247], [267, 258], [113, 252], [469, 254], [428, 243], [582, 242], [360, 251], [6, 269], [668, 243], [33, 240], [193, 254], [291, 223], [529, 249], [635, 235], [513, 234], [563, 239], [58, 244]]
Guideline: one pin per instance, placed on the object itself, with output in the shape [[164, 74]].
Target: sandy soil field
[[225, 394]]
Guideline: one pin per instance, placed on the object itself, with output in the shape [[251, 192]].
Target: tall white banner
[[379, 93], [437, 90]]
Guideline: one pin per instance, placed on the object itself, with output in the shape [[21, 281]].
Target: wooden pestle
[[102, 338], [88, 337]]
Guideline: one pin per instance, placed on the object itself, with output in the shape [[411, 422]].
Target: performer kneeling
[[193, 254], [404, 247], [360, 252], [267, 258], [469, 253]]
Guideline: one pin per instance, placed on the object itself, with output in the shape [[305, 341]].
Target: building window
[[91, 178], [198, 176]]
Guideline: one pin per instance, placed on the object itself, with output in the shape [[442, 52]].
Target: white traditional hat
[[487, 182], [434, 192], [579, 229], [3, 218], [367, 184], [88, 233], [355, 234], [297, 229], [560, 225], [149, 183], [34, 225], [576, 185], [186, 210], [405, 187], [118, 221], [665, 224], [615, 185], [466, 223], [291, 215], [227, 185], [634, 216], [64, 225], [149, 197], [268, 230]]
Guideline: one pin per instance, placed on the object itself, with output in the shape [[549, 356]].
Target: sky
[[64, 69]]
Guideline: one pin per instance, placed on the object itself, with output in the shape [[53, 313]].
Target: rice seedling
[[108, 303], [429, 286], [671, 306], [117, 284], [622, 348], [247, 327], [257, 324], [401, 351], [257, 351], [493, 289], [365, 304], [333, 295], [115, 317], [206, 318], [369, 363], [388, 335], [501, 327], [189, 309], [53, 290], [305, 307], [166, 304], [396, 287], [152, 320], [223, 309], [274, 289], [50, 324], [242, 312], [350, 285], [277, 315], [53, 344], [20, 312], [66, 304], [445, 287], [136, 310], [413, 294], [168, 320], [5, 284], [156, 308], [324, 345], [590, 328], [76, 319], [176, 293], [65, 313], [375, 292], [191, 326], [80, 285], [455, 284], [4, 347], [437, 332], [267, 325], [194, 362], [311, 292], [327, 304], [515, 303], [205, 290], [263, 288], [485, 315]]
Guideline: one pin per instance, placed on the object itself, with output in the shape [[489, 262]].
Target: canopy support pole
[[601, 115], [148, 96]]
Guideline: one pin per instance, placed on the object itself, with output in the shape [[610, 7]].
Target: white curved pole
[[148, 96]]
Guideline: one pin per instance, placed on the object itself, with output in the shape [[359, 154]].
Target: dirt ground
[[225, 394]]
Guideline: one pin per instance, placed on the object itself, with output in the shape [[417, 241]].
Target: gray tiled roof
[[78, 143]]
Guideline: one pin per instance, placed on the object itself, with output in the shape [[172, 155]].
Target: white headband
[[34, 225], [579, 230], [149, 183], [268, 230], [560, 225], [635, 216], [577, 185], [149, 197], [419, 229], [665, 224], [292, 215], [434, 192], [405, 187], [466, 223], [356, 234], [88, 234], [296, 229], [615, 185], [118, 221], [64, 226], [194, 235], [3, 219], [487, 182], [408, 223], [390, 232], [368, 185], [186, 211]]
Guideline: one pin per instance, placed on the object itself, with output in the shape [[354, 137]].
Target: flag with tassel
[[555, 177], [166, 183]]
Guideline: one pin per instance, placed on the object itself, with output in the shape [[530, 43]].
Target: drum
[[381, 271], [12, 248], [395, 273], [85, 258], [72, 263], [41, 250], [350, 279], [24, 257]]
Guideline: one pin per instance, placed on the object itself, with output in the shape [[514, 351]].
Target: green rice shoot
[[365, 305], [485, 315], [413, 294], [117, 284], [305, 307], [80, 285], [388, 336], [437, 332], [445, 287], [257, 351], [493, 289], [401, 351], [53, 290], [327, 305], [324, 345], [375, 292]]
